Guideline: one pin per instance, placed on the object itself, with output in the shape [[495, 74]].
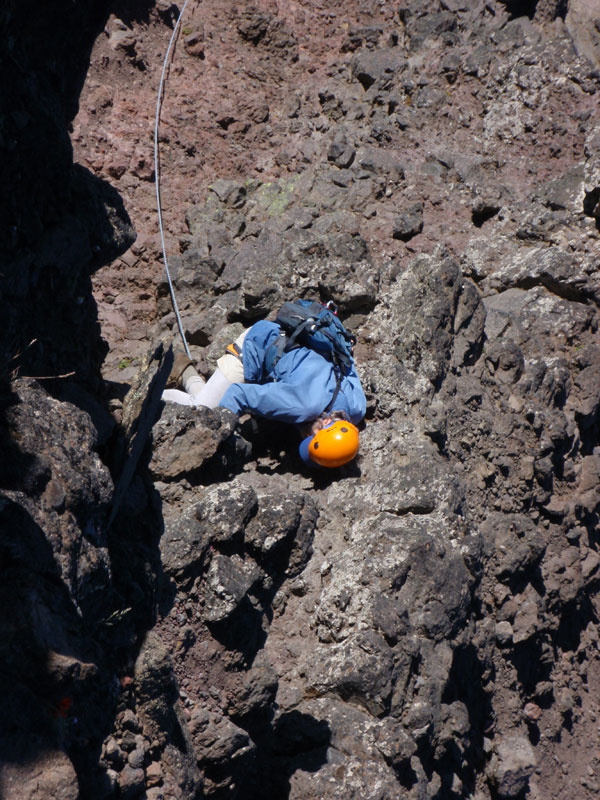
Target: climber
[[299, 389]]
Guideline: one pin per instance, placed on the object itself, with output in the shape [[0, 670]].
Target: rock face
[[187, 611], [59, 221]]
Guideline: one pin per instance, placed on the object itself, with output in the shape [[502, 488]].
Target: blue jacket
[[302, 386]]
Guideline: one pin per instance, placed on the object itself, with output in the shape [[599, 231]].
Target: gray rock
[[360, 670], [562, 273], [186, 439], [224, 751], [230, 193], [129, 721], [193, 275], [131, 781], [420, 27], [591, 184], [129, 741], [253, 25], [49, 775], [359, 753], [277, 521], [515, 311], [141, 408], [357, 37], [528, 619], [228, 581], [582, 23], [220, 516], [136, 758], [217, 740], [450, 66], [565, 193], [340, 152], [478, 61], [114, 754], [257, 694], [504, 633], [416, 323], [154, 774], [512, 765], [369, 67], [409, 223], [156, 689], [488, 199], [514, 543], [381, 162]]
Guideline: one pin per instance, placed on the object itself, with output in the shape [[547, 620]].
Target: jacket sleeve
[[354, 395], [273, 400]]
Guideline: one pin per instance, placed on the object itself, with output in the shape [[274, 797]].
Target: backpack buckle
[[234, 350]]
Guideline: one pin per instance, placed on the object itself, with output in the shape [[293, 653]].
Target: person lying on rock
[[302, 388]]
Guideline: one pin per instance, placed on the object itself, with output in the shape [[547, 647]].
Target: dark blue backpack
[[305, 323]]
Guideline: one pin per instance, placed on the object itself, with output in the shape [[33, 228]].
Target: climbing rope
[[157, 180]]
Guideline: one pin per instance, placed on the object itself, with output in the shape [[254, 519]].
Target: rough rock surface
[[189, 612]]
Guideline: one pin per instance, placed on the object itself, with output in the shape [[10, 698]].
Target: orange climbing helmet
[[332, 446]]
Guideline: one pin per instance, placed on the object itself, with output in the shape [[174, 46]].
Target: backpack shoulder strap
[[311, 324], [336, 391], [273, 353]]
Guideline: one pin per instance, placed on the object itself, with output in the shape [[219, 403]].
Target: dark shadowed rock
[[162, 722], [409, 223], [257, 694], [141, 409], [223, 750], [340, 152], [56, 463], [131, 781], [218, 742], [155, 686]]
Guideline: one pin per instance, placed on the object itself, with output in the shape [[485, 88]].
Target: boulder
[[228, 581], [583, 23], [186, 439], [512, 764], [409, 223], [49, 775], [219, 517]]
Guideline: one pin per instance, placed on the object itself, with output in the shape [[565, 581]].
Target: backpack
[[305, 323]]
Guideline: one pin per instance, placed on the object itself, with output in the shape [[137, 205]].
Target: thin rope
[[157, 180]]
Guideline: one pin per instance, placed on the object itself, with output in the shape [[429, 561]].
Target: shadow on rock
[[58, 221], [278, 443], [57, 696], [15, 465], [240, 587], [465, 746], [295, 741]]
